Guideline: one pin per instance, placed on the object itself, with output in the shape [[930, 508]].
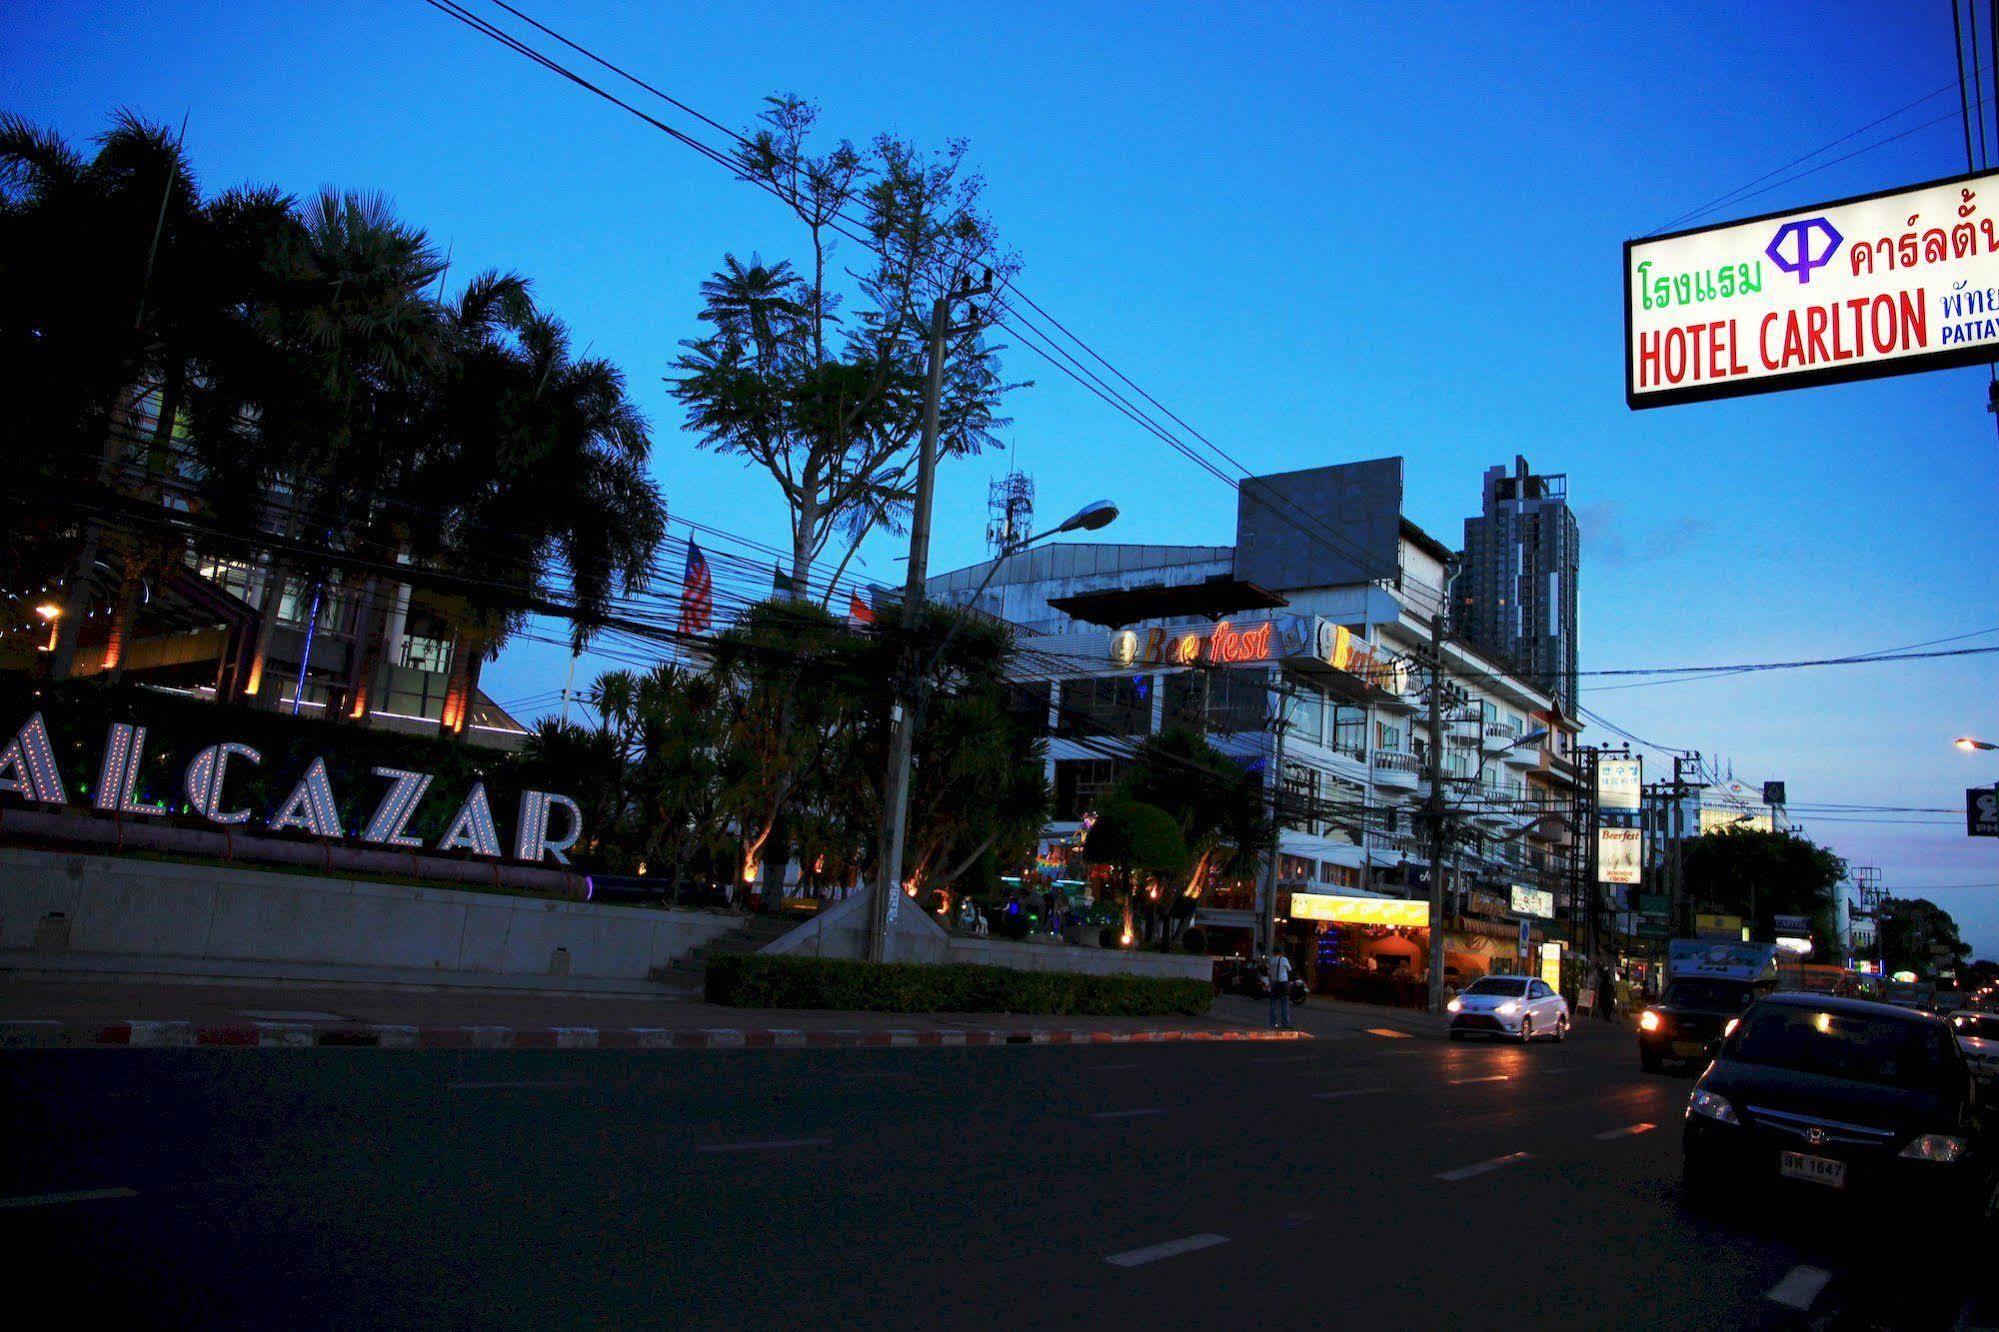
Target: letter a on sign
[[472, 830], [310, 805], [28, 765]]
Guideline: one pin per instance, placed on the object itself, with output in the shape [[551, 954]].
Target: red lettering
[[1884, 327], [1155, 645], [1716, 345], [1648, 359], [1763, 341], [1915, 320], [1859, 307], [1735, 365], [1676, 355], [1815, 325], [1794, 339]]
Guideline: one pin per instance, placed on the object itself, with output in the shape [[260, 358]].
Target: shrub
[[758, 981], [1195, 940]]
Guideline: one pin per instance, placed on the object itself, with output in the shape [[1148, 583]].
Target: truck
[[1709, 983]]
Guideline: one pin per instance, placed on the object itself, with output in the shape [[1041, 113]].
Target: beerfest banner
[[1884, 284]]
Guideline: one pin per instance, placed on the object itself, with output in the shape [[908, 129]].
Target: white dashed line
[[1345, 1092], [1800, 1286], [1628, 1131], [1152, 1253], [1126, 1114], [1491, 1077], [772, 1145], [1484, 1167], [79, 1195]]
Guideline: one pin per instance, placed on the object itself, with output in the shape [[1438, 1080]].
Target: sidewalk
[[60, 1013]]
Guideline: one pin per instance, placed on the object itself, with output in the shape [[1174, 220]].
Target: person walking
[[1606, 994], [1280, 990]]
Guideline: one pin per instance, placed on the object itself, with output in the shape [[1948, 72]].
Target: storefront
[[1377, 949]]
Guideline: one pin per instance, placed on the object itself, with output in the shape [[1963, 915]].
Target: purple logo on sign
[[1801, 260]]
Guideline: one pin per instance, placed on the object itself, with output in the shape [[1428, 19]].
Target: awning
[[1212, 598]]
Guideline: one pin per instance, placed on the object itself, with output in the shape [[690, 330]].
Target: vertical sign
[[1617, 853], [1981, 811], [1618, 782]]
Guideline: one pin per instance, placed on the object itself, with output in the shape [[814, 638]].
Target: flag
[[780, 581], [697, 593], [859, 614]]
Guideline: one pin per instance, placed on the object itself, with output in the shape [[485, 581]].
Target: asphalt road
[[1355, 1181]]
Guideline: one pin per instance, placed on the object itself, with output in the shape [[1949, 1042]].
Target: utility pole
[[904, 712], [1436, 808], [1267, 927]]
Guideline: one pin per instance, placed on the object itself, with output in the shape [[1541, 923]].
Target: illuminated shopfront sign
[[1287, 637], [1533, 902], [28, 770], [1360, 910]]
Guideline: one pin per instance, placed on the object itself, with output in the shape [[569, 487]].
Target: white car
[[1978, 1036], [1520, 1007]]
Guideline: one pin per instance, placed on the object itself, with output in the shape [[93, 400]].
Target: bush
[[1195, 940], [758, 981]]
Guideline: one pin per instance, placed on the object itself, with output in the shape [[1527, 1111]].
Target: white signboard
[[1617, 783], [1884, 284], [1533, 902], [1617, 855]]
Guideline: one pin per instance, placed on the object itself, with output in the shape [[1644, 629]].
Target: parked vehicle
[[1521, 1007], [1840, 1094], [1978, 1037]]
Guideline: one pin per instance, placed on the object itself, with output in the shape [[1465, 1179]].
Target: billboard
[[1981, 811], [1360, 910], [1321, 527], [1723, 961], [1533, 902], [1882, 284], [1618, 783], [1617, 853]]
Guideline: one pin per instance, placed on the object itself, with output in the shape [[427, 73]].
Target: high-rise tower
[[1516, 596]]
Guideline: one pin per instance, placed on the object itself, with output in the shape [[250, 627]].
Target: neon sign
[[28, 770], [1224, 645]]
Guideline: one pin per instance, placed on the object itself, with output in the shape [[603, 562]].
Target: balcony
[[1499, 737], [1396, 772]]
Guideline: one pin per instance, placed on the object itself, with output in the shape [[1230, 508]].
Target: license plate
[[1817, 1169], [1687, 1049]]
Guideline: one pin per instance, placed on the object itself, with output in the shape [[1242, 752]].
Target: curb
[[47, 1034]]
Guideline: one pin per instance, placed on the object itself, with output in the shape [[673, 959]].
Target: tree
[[829, 404], [1142, 847], [1918, 935], [1758, 875], [1217, 805]]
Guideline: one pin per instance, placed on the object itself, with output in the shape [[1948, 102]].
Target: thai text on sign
[[1886, 284]]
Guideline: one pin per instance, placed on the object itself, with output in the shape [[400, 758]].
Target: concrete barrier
[[76, 905]]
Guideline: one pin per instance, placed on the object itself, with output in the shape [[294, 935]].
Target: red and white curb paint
[[49, 1033]]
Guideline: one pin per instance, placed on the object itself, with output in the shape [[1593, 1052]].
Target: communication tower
[[1009, 510]]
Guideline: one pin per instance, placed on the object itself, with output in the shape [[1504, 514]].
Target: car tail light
[[1938, 1147]]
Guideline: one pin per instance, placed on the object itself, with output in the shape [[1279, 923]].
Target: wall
[[149, 909], [841, 931]]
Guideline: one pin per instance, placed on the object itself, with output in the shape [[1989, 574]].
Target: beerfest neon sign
[[28, 770], [1225, 645]]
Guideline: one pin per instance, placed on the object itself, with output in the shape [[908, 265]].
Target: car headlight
[[1507, 1009], [1648, 1021], [1710, 1106], [1938, 1147], [1454, 1005], [1729, 1030]]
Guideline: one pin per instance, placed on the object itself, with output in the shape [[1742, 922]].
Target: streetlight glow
[[1969, 744]]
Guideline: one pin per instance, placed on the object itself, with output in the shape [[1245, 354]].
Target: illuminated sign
[[1124, 648], [1551, 965], [28, 770], [1617, 853], [1360, 910], [1619, 782], [1224, 645], [1711, 923], [1533, 902], [1882, 284]]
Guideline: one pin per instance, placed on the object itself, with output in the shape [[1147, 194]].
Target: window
[[1080, 784], [1106, 705], [232, 576], [1387, 737], [426, 654], [1349, 734], [1029, 702], [1236, 700], [1509, 987], [1306, 713]]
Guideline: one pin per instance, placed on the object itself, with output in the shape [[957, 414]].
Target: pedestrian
[[1280, 990], [1606, 993]]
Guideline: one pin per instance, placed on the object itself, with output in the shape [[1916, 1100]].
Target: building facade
[[1516, 597], [1299, 651]]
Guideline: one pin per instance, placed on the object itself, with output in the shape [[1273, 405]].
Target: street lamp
[[1968, 744], [50, 613]]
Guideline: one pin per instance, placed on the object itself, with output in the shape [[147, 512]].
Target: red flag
[[697, 593], [859, 614]]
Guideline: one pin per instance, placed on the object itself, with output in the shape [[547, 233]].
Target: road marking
[[291, 1015], [503, 1086], [1152, 1253], [79, 1195], [1467, 1172], [1628, 1131], [771, 1145], [1800, 1286], [1389, 1032], [1491, 1077], [1126, 1114], [1346, 1092]]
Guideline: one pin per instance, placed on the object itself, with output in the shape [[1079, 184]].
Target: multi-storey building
[[1516, 597], [1315, 623]]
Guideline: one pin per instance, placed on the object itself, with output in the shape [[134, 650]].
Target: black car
[[1840, 1094], [1687, 1021]]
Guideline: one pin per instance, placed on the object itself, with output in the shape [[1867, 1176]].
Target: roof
[[1215, 596], [1427, 543], [1827, 1003]]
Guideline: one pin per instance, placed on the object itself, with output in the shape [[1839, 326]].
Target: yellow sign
[[1709, 923], [1551, 964], [1360, 910]]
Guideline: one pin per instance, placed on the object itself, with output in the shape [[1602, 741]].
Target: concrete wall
[[138, 908], [841, 931]]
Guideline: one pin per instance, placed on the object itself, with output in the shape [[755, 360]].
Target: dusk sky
[[1316, 233]]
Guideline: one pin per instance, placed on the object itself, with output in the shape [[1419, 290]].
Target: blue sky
[[1316, 233]]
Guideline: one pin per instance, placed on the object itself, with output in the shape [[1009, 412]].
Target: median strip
[[1466, 1082]]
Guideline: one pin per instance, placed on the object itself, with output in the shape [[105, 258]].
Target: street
[[1359, 1179]]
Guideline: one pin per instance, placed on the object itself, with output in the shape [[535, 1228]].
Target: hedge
[[759, 981]]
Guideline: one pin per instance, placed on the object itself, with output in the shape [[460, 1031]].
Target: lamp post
[[907, 716], [1970, 745]]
